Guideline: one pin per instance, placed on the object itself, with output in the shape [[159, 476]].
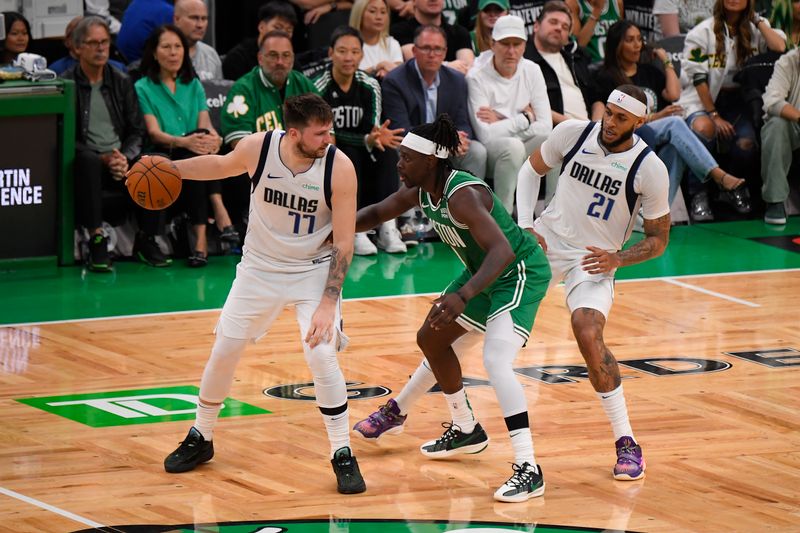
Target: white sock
[[460, 410], [421, 382], [338, 427], [206, 419], [522, 443], [617, 413], [423, 379]]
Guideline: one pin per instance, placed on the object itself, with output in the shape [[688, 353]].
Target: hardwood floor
[[722, 447]]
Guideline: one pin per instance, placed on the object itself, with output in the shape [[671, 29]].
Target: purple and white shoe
[[630, 462], [386, 420]]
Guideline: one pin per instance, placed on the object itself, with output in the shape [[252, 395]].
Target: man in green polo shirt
[[254, 102]]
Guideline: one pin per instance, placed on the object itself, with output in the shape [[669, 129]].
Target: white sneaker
[[363, 246], [408, 235], [389, 238]]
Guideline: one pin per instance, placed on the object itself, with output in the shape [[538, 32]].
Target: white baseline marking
[[710, 293], [48, 507]]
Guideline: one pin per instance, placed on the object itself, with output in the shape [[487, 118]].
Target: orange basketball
[[154, 182]]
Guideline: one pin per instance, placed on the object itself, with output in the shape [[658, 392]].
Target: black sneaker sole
[[146, 261], [188, 466]]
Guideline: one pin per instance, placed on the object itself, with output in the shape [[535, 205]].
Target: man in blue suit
[[416, 92]]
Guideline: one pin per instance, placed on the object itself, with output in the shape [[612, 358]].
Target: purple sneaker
[[630, 463], [386, 420]]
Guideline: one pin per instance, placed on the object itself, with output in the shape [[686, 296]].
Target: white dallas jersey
[[598, 192], [290, 215]]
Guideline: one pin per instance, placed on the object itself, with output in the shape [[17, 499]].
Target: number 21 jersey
[[600, 192]]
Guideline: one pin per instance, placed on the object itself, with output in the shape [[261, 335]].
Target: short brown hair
[[300, 111], [554, 5]]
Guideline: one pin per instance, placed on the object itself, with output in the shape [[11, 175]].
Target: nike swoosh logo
[[270, 176], [583, 151]]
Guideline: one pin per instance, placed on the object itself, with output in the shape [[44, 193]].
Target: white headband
[[424, 146], [627, 102]]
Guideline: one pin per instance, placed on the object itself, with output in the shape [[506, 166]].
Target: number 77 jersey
[[600, 192], [290, 214]]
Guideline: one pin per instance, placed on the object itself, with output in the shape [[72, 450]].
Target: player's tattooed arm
[[338, 270], [655, 242], [599, 261]]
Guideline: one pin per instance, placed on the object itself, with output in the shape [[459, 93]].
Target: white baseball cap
[[509, 26]]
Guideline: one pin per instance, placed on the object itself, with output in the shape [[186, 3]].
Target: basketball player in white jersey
[[303, 190], [607, 173]]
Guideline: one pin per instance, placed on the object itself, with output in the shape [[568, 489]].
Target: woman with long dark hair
[[18, 37], [176, 116], [505, 277], [665, 130], [715, 51]]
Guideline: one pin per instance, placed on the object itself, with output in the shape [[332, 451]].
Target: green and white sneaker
[[527, 482], [453, 441]]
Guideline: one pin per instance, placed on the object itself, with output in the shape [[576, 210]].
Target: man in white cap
[[607, 173], [508, 105]]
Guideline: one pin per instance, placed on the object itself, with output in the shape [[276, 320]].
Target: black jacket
[[123, 107], [578, 63]]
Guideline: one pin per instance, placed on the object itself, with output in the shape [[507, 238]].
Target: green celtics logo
[[351, 526], [127, 407]]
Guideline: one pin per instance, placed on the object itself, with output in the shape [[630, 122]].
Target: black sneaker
[[527, 482], [230, 235], [192, 451], [775, 213], [738, 199], [348, 476], [453, 441], [146, 250], [99, 260]]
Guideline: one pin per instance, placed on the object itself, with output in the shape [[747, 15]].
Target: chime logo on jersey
[[290, 201], [448, 235], [595, 179]]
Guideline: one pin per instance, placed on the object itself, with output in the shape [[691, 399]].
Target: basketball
[[154, 182]]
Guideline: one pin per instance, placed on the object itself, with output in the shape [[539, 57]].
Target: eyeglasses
[[274, 56], [432, 50], [98, 44]]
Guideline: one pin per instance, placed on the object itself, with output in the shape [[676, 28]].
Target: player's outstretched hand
[[446, 308], [320, 331], [600, 261]]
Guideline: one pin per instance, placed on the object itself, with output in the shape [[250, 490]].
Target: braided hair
[[444, 134]]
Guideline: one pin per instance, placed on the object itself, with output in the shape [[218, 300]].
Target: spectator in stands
[[191, 17], [565, 68], [140, 19], [488, 13], [255, 101], [459, 54], [714, 52], [102, 9], [422, 88], [110, 131], [780, 136], [242, 58], [18, 36], [680, 16], [62, 65], [320, 18], [795, 25], [665, 130], [355, 98], [591, 20], [508, 106], [176, 116], [382, 52]]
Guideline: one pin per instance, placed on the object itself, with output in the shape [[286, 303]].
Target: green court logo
[[128, 407]]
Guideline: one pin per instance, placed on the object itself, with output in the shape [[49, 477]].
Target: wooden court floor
[[712, 368]]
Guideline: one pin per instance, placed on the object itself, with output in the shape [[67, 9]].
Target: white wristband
[[528, 183]]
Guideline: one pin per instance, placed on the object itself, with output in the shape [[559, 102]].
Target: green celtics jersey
[[457, 235], [597, 45]]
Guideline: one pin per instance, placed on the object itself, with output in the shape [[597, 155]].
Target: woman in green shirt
[[173, 103]]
